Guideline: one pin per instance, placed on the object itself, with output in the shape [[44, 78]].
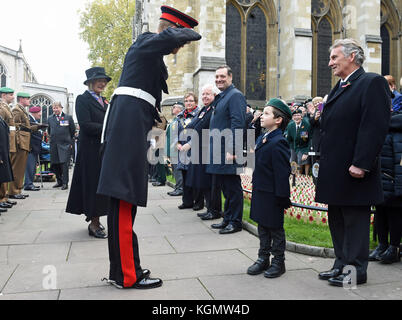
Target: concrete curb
[[290, 246]]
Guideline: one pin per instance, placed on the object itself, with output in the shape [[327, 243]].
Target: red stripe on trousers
[[126, 244]]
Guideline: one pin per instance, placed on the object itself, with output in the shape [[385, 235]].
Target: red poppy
[[324, 220], [311, 218], [298, 217]]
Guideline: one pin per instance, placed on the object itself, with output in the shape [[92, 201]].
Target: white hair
[[350, 46], [211, 87]]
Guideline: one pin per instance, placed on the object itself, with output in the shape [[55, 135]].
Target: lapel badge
[[264, 140], [346, 85]]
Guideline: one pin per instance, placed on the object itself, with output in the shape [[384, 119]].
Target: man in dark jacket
[[129, 120], [229, 116], [61, 131], [6, 172], [354, 124], [35, 114]]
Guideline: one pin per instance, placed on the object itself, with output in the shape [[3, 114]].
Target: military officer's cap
[[178, 18], [35, 109], [6, 90], [297, 111], [280, 105], [23, 95]]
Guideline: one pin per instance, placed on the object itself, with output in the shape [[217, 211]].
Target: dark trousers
[[213, 197], [61, 172], [272, 241], [230, 184], [389, 222], [30, 170], [191, 196], [350, 232], [124, 256]]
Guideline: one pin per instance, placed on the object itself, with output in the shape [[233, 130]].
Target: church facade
[[277, 48], [16, 73]]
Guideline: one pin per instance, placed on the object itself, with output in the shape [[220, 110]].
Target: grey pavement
[[46, 254]]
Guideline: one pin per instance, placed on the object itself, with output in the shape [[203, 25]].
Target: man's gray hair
[[350, 46]]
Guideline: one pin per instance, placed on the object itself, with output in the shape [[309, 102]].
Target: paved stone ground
[[39, 240]]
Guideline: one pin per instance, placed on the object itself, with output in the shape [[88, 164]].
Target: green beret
[[278, 104], [23, 95], [6, 90]]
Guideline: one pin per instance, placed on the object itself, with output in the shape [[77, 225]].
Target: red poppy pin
[[347, 84], [107, 102]]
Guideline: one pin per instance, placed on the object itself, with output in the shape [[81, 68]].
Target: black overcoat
[[270, 179], [196, 172], [36, 138], [61, 138], [6, 171], [124, 171], [83, 198], [354, 124]]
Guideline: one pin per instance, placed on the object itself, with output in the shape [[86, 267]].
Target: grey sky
[[49, 30]]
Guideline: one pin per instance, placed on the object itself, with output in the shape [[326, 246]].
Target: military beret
[[297, 111], [280, 105], [23, 95], [178, 18], [6, 90], [179, 103], [35, 109]]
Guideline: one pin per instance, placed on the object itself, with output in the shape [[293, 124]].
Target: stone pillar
[[362, 21], [295, 62]]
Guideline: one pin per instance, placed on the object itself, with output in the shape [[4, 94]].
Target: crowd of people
[[349, 132]]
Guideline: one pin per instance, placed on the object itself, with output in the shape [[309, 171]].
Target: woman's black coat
[[83, 198]]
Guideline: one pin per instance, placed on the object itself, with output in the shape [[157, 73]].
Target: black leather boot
[[259, 266], [276, 269], [375, 254], [390, 255]]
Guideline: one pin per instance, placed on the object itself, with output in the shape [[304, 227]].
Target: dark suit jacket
[[270, 179], [36, 138], [354, 124], [229, 114], [61, 138], [6, 172]]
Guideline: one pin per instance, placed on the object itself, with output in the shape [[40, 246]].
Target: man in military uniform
[[23, 146], [130, 118], [6, 98]]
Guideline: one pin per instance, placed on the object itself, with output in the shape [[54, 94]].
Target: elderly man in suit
[[354, 124], [229, 116], [61, 131]]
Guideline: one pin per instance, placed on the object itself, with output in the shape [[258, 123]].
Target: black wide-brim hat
[[177, 17], [96, 73]]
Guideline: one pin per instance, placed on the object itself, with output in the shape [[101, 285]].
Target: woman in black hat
[[90, 108]]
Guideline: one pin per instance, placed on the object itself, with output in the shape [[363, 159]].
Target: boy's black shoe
[[258, 267], [275, 270]]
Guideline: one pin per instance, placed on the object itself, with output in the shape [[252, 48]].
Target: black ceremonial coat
[[196, 173], [124, 172], [83, 198], [6, 172], [270, 179], [61, 138], [354, 124]]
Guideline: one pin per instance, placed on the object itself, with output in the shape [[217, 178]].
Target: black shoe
[[390, 255], [158, 184], [64, 187], [340, 280], [202, 214], [230, 229], [25, 195], [198, 208], [99, 233], [5, 205], [148, 283], [146, 273], [34, 188], [211, 216], [175, 193], [325, 275], [3, 210], [183, 206], [17, 196], [275, 270], [57, 185], [221, 225], [375, 254], [13, 203], [258, 267]]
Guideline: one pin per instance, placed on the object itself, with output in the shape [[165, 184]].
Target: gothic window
[[324, 42], [233, 42], [385, 51], [45, 103], [3, 76], [256, 55]]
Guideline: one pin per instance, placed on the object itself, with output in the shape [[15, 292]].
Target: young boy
[[271, 189]]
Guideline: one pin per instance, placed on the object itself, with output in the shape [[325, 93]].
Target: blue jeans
[[30, 170]]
